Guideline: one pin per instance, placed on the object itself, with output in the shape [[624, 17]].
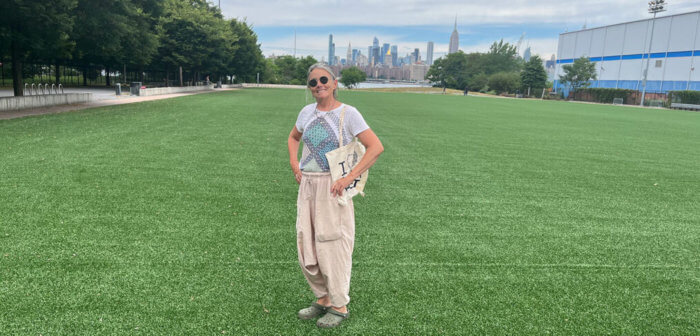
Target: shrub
[[604, 95], [504, 82], [684, 97]]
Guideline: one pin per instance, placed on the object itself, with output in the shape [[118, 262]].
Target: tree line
[[163, 35], [499, 70]]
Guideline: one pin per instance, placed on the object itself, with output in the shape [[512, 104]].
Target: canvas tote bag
[[343, 159]]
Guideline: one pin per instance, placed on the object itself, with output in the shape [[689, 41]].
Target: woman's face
[[321, 91]]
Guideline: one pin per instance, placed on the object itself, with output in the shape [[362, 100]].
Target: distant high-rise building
[[354, 56], [416, 55], [387, 58], [375, 55], [526, 54], [385, 48], [429, 53], [454, 40], [331, 49], [369, 55], [394, 55], [348, 58], [375, 43]]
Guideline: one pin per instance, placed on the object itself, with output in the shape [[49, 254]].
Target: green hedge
[[603, 95], [684, 97]]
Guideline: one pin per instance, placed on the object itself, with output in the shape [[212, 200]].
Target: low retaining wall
[[274, 86], [174, 89], [27, 102]]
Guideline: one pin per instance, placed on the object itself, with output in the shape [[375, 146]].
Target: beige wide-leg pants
[[325, 238]]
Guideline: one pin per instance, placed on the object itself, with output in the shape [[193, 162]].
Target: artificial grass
[[483, 216]]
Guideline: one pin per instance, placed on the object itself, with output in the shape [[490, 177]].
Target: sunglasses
[[314, 82]]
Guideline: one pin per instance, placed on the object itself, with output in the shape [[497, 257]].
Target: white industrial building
[[620, 53]]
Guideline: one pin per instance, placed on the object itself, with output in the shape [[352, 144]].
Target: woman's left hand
[[339, 186]]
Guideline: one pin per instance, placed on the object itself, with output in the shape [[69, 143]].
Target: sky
[[410, 24]]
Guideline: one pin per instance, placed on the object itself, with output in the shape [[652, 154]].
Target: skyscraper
[[385, 48], [454, 40], [369, 55], [429, 53], [348, 58], [394, 55], [527, 54], [416, 55], [387, 58], [331, 50]]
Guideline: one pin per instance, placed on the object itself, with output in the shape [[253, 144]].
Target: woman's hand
[[293, 144], [297, 173], [339, 186]]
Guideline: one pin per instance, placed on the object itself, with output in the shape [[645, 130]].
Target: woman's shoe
[[314, 310], [332, 318]]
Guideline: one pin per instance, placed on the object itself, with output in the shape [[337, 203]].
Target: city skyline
[[479, 24]]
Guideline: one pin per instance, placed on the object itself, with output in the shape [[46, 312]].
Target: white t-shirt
[[320, 133]]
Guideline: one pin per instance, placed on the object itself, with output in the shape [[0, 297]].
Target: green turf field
[[483, 216]]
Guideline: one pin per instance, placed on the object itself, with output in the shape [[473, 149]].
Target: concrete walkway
[[103, 97]]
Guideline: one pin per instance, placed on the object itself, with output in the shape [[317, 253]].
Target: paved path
[[102, 98]]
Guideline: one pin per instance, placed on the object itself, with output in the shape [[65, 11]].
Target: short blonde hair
[[326, 68]]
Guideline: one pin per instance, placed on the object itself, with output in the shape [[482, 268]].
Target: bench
[[685, 106]]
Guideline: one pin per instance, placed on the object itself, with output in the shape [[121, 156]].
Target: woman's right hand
[[297, 174]]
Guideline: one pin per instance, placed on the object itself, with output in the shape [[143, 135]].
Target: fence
[[630, 98], [76, 75]]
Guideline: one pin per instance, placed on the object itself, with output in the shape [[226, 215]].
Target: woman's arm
[[293, 145], [374, 149]]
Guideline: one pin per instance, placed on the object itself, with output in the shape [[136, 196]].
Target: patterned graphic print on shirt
[[320, 138]]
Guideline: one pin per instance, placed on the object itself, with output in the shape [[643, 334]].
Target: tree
[[533, 76], [479, 82], [350, 77], [194, 36], [110, 33], [502, 57], [302, 67], [35, 29], [287, 68], [450, 71], [579, 74], [247, 59], [504, 81]]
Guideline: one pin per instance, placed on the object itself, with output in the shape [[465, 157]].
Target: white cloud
[[440, 12]]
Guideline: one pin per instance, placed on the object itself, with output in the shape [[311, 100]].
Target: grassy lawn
[[483, 216]]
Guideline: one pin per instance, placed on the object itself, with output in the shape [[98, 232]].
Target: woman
[[325, 229]]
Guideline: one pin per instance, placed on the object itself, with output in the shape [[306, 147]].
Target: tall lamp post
[[655, 6]]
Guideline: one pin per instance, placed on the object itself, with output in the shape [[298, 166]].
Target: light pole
[[655, 6]]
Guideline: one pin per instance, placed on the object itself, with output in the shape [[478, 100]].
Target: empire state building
[[454, 40]]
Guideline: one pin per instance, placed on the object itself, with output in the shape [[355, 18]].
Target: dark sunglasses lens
[[313, 83], [323, 79]]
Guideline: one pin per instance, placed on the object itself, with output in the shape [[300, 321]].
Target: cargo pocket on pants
[[327, 220]]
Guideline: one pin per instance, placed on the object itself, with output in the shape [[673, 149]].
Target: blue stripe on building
[[686, 53]]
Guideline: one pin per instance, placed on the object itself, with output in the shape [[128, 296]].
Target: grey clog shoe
[[332, 318], [314, 310]]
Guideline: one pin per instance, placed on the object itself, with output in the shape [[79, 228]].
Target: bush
[[603, 95], [479, 82], [684, 97], [504, 82]]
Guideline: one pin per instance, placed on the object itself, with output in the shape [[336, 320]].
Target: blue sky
[[411, 24]]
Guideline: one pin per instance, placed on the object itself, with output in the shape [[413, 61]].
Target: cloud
[[440, 12]]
